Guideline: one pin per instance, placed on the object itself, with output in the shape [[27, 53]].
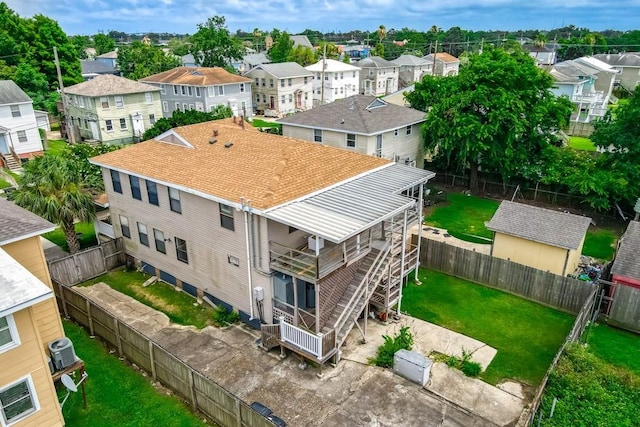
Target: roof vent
[[213, 141], [228, 145]]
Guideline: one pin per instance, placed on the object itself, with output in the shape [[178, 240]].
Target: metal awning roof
[[352, 207]]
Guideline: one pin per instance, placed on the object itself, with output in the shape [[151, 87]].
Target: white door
[[4, 147], [138, 125], [94, 129]]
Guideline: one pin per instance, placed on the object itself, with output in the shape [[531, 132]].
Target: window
[[305, 79], [220, 90], [124, 226], [22, 136], [351, 140], [8, 333], [86, 124], [115, 181], [317, 135], [152, 193], [177, 106], [233, 260], [289, 81], [81, 101], [123, 124], [184, 107], [181, 250], [148, 97], [257, 82], [282, 83], [335, 76], [341, 76], [119, 101], [318, 76], [104, 101], [192, 107], [270, 82], [408, 130], [354, 75], [264, 97], [395, 132], [174, 200], [241, 87], [163, 89], [198, 94], [257, 97], [158, 236], [282, 99], [142, 234], [108, 125], [18, 400], [15, 111], [134, 182], [263, 82], [175, 90], [226, 217], [190, 90], [152, 119], [183, 91]]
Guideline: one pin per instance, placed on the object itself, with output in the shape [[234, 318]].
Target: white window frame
[[175, 90], [210, 91], [13, 331], [108, 124], [104, 100], [241, 87], [185, 106], [163, 89], [177, 106], [125, 229], [152, 119], [32, 395], [22, 136], [15, 111], [119, 100], [81, 101], [165, 106], [351, 140], [198, 92], [148, 97], [190, 90], [221, 90], [123, 123]]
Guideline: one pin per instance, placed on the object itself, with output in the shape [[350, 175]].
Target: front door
[[4, 147], [379, 145], [138, 126], [272, 102], [94, 129]]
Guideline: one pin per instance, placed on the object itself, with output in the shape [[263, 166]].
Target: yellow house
[[29, 320], [539, 238]]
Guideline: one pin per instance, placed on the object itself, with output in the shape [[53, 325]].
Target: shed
[[626, 268]]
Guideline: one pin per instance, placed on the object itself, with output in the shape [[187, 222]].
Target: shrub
[[224, 317], [403, 340], [470, 369]]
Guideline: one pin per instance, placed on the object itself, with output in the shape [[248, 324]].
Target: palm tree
[[382, 33], [53, 189]]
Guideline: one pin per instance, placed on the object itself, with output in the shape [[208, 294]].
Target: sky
[[182, 16]]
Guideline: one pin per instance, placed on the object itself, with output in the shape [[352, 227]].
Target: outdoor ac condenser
[[412, 366], [62, 353]]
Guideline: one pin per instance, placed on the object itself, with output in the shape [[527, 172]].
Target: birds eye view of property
[[372, 225]]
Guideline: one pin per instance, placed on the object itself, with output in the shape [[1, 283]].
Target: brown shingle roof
[[266, 169], [196, 76], [108, 84]]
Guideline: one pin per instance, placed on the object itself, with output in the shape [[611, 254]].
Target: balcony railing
[[321, 346], [105, 229], [590, 97]]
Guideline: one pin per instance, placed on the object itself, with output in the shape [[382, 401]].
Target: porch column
[[420, 210], [295, 301], [316, 288], [402, 256]]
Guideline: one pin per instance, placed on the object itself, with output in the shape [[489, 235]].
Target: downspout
[[420, 205], [245, 210], [257, 262], [566, 262]]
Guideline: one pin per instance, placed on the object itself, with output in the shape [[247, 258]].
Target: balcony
[[589, 97]]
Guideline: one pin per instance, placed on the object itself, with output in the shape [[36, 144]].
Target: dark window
[[181, 250], [17, 401], [174, 200], [142, 234], [134, 181], [115, 180], [226, 217], [124, 226], [317, 135], [159, 238], [409, 130], [351, 140], [152, 193]]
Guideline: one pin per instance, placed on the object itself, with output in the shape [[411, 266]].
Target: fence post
[[192, 388], [64, 300], [118, 338], [238, 413], [78, 269], [152, 360], [88, 304]]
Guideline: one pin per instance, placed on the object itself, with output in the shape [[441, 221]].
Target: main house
[[412, 68], [202, 89], [333, 80], [364, 124], [112, 109], [281, 89], [29, 320], [378, 77], [19, 136], [299, 237]]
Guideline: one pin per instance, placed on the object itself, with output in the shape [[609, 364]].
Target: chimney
[[215, 132]]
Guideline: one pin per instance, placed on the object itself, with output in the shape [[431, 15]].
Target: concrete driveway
[[351, 394]]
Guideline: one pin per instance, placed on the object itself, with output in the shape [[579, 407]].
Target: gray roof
[[354, 115], [96, 67], [620, 59], [410, 60], [10, 93], [343, 211], [256, 58], [108, 84], [575, 69], [284, 69], [188, 59], [301, 40], [375, 62], [17, 223], [19, 288], [626, 263], [111, 55], [553, 228]]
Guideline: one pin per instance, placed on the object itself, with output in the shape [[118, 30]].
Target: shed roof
[[19, 288], [17, 223], [108, 84], [626, 263], [196, 76], [10, 93], [541, 225]]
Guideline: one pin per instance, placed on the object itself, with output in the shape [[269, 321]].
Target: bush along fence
[[203, 394]]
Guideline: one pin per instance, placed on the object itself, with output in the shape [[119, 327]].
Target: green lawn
[[87, 237], [527, 335], [116, 394], [464, 217], [258, 123], [615, 346], [180, 307], [600, 243], [4, 184], [580, 143], [56, 146]]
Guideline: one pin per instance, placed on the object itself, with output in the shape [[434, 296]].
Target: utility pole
[[324, 65], [435, 52], [70, 130]]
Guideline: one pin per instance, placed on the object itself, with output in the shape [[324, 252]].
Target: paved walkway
[[441, 235]]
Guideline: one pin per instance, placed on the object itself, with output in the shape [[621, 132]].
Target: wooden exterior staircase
[[12, 162]]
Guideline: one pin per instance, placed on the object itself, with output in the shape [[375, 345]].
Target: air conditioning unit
[[62, 353]]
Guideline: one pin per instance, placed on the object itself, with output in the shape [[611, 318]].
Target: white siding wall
[[27, 123]]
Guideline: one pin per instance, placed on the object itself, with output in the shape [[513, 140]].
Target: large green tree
[[498, 112], [303, 55], [52, 188], [183, 118], [213, 46], [139, 60], [103, 43], [282, 46]]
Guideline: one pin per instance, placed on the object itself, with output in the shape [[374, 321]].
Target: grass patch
[[87, 236], [615, 346], [600, 243], [464, 217], [56, 146], [581, 143], [16, 176], [4, 184], [258, 123], [116, 394], [180, 307], [527, 335]]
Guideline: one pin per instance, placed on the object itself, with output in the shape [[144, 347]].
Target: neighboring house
[[539, 238], [202, 89], [281, 89], [29, 321], [299, 238], [19, 136], [629, 66], [399, 97], [93, 68], [626, 268], [301, 40], [110, 58], [364, 124], [354, 50], [444, 64], [90, 52], [333, 80], [251, 60], [42, 119], [412, 68], [112, 109], [542, 54], [378, 77], [188, 60]]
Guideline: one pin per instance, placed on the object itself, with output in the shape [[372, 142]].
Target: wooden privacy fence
[[624, 307], [547, 288], [203, 394], [89, 263]]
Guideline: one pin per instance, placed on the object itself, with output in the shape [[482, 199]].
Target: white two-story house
[[19, 136], [444, 64], [202, 89], [112, 109], [280, 89], [333, 80], [412, 68], [300, 238], [378, 77]]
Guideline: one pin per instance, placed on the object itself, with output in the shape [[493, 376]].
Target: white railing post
[[320, 353]]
